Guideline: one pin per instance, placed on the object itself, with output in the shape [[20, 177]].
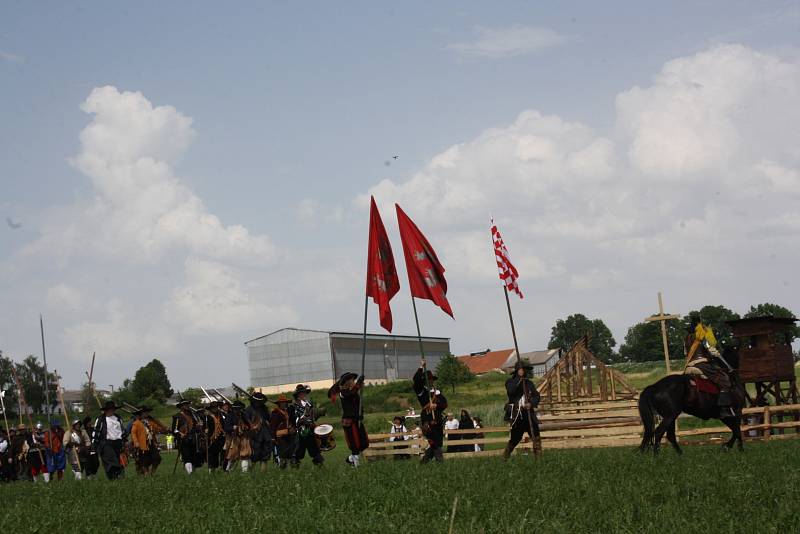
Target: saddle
[[704, 385]]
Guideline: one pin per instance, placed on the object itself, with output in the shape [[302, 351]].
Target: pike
[[223, 397], [67, 425], [91, 387], [206, 394], [44, 359]]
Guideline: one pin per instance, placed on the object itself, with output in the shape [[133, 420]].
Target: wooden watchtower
[[765, 358]]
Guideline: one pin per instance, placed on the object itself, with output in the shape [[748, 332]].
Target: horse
[[674, 394]]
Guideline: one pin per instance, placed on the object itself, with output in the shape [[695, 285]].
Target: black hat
[[237, 404], [183, 402], [211, 405], [522, 364], [109, 405], [258, 397], [301, 388], [347, 376], [143, 409]]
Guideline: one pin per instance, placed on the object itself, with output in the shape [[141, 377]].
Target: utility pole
[[662, 318]]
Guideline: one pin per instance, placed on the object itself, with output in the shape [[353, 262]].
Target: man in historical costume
[[54, 445], [282, 431], [348, 389], [302, 418], [186, 429], [705, 361], [37, 454], [432, 417], [89, 461], [215, 435], [75, 441], [19, 452], [7, 465], [237, 441], [260, 435], [144, 438], [109, 439], [520, 412]]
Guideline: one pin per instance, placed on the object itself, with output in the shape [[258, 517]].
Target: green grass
[[600, 490]]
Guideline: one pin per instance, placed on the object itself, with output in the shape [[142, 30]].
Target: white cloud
[[141, 210], [515, 40], [212, 300]]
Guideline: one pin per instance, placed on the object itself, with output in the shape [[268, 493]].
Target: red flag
[[508, 273], [425, 273], [382, 280]]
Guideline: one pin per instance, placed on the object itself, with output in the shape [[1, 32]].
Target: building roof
[[349, 335], [539, 357], [494, 360]]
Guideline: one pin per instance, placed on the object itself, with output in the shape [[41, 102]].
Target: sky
[[177, 179]]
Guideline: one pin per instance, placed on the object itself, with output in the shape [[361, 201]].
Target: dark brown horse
[[674, 394]]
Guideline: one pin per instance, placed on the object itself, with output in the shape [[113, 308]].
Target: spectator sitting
[[451, 424], [465, 423], [398, 427], [478, 435]]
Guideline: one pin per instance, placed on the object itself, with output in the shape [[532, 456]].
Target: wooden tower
[[580, 376], [765, 358]]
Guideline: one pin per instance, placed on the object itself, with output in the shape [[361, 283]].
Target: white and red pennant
[[508, 273]]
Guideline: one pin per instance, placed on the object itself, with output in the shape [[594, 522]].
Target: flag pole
[[422, 354], [44, 358], [363, 356]]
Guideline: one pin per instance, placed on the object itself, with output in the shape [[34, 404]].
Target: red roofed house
[[502, 361]]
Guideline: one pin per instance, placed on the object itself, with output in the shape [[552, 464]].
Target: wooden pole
[[664, 332], [422, 354], [46, 378], [68, 425], [363, 355]]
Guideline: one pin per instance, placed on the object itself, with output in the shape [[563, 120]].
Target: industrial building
[[282, 359]]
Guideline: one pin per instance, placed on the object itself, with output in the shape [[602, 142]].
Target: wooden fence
[[585, 425]]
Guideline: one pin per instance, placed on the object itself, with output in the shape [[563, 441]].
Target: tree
[[151, 383], [776, 311], [193, 395], [644, 342], [452, 371], [7, 385], [567, 332], [715, 317]]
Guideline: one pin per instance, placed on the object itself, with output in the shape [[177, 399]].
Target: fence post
[[767, 423]]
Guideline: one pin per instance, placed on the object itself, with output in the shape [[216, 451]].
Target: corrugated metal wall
[[387, 358], [289, 356]]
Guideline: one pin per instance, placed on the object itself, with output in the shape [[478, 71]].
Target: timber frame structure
[[579, 376]]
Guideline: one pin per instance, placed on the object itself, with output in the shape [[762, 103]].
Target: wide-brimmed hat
[[211, 405], [301, 388], [346, 377], [522, 364], [183, 402], [238, 405], [282, 398], [21, 427], [258, 397], [110, 405]]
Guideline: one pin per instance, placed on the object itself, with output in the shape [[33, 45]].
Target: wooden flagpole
[[363, 355], [422, 354]]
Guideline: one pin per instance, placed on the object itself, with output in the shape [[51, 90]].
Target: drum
[[324, 435]]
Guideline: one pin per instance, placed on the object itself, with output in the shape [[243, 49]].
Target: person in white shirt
[[109, 437], [451, 424]]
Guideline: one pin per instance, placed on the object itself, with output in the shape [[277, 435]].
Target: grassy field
[[600, 490]]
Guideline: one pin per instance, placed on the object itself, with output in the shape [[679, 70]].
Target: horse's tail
[[648, 417]]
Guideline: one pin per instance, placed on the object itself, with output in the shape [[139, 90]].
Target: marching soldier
[[185, 427], [259, 433], [302, 417], [348, 388], [282, 431], [237, 441], [144, 435], [76, 441], [432, 417], [109, 438], [523, 398], [216, 435]]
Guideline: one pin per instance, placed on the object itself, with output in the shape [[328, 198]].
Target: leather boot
[[537, 447], [507, 451]]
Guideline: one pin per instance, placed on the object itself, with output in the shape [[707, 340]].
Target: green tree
[[193, 395], [451, 371], [644, 342], [151, 383], [567, 332], [776, 310], [7, 385], [715, 317]]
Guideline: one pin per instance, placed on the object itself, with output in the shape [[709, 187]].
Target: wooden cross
[[661, 317]]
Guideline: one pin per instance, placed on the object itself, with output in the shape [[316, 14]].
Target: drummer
[[302, 417]]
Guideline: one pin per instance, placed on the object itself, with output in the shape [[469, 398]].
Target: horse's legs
[[735, 424], [672, 438], [660, 430]]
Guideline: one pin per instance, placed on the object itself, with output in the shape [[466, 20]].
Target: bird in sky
[[395, 157], [12, 224]]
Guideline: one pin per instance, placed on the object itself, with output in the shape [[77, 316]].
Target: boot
[[189, 467], [537, 447], [507, 451]]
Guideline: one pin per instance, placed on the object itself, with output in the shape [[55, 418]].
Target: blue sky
[[295, 111]]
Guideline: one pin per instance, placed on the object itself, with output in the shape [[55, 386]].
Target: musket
[[223, 397], [242, 391], [206, 394]]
